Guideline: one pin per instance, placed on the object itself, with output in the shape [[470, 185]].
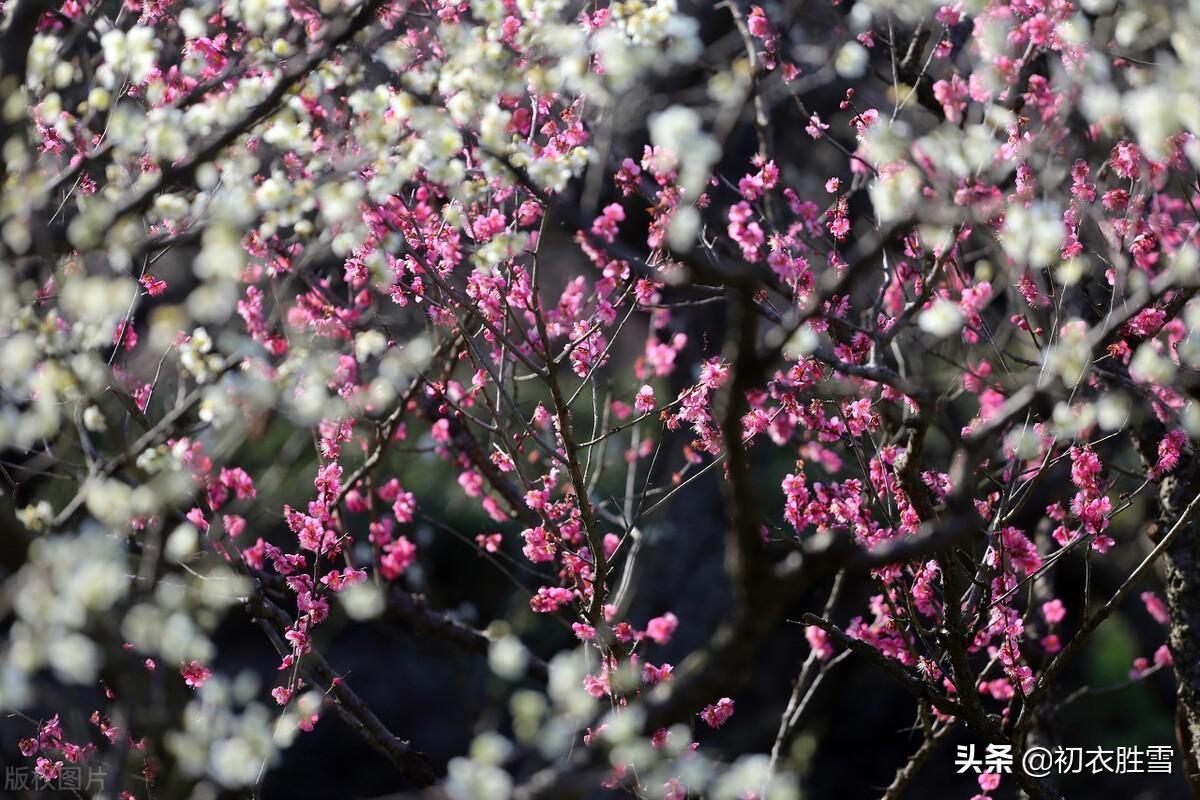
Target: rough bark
[[1182, 564]]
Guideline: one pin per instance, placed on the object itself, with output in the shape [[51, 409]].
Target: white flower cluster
[[554, 172], [1071, 356], [960, 153], [1149, 365], [46, 361], [645, 37], [219, 266], [477, 779], [260, 16], [44, 65], [1033, 235], [659, 26], [943, 318], [1163, 97], [895, 192], [689, 148], [66, 586], [166, 138], [174, 624], [500, 249], [197, 358], [221, 744], [127, 55]]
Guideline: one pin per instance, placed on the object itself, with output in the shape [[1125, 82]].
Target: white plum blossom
[[679, 131], [895, 192], [1034, 234], [469, 779], [941, 319], [129, 54], [508, 657], [851, 60]]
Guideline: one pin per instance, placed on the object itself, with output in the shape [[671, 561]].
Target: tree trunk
[[1183, 599]]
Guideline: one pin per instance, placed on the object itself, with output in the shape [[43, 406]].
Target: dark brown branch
[[416, 615], [411, 763], [911, 683], [906, 773]]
